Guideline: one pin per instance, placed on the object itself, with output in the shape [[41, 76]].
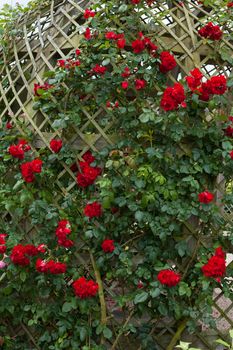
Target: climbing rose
[[231, 154], [140, 84], [92, 210], [126, 73], [18, 255], [9, 125], [121, 43], [169, 278], [29, 168], [88, 157], [111, 36], [230, 4], [3, 238], [18, 150], [216, 265], [108, 245], [211, 31], [63, 229], [138, 45], [125, 85], [88, 175], [84, 288], [50, 266], [2, 249], [205, 197], [55, 145], [99, 70], [168, 62], [135, 2], [217, 85], [194, 80], [89, 13], [172, 97], [87, 34], [229, 130], [44, 87]]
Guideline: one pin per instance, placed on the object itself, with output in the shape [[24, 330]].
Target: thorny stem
[[177, 335]]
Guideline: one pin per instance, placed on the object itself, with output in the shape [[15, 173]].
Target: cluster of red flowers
[[17, 151], [143, 43], [88, 34], [89, 13], [68, 64], [51, 266], [136, 2], [88, 173], [168, 277], [55, 145], [28, 169], [98, 70], [20, 253], [210, 31], [139, 84], [63, 229], [216, 265], [108, 245], [119, 38], [173, 97], [92, 210], [205, 197], [38, 87], [3, 243], [84, 288], [230, 4], [168, 62], [214, 86], [112, 105]]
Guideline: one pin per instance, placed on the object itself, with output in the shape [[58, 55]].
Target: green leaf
[[23, 276], [222, 342], [154, 293], [107, 333], [140, 298], [67, 307], [123, 8], [139, 215]]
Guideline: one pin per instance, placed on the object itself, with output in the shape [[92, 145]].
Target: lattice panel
[[53, 33]]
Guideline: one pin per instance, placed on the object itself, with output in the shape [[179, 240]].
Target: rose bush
[[132, 228]]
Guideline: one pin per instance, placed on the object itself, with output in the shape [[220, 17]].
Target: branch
[[177, 335], [103, 308], [120, 334]]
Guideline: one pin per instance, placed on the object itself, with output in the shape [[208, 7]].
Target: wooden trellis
[[52, 33]]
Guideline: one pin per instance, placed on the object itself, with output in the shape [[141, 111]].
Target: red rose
[[138, 46], [2, 249], [16, 151], [55, 145], [88, 13], [67, 243], [111, 36], [217, 85], [140, 285], [215, 267], [220, 253], [36, 165], [168, 62], [135, 2], [205, 197], [44, 87], [121, 43], [169, 278], [99, 70], [88, 157], [42, 266], [172, 97], [140, 84], [56, 268], [41, 248], [9, 125], [231, 152], [3, 238], [84, 288], [151, 47], [108, 245], [30, 250], [77, 52], [125, 85], [211, 31], [126, 73], [195, 80], [18, 256], [230, 4], [87, 34], [92, 210]]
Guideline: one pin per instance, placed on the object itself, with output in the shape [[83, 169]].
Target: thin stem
[[120, 334], [177, 335], [103, 309]]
